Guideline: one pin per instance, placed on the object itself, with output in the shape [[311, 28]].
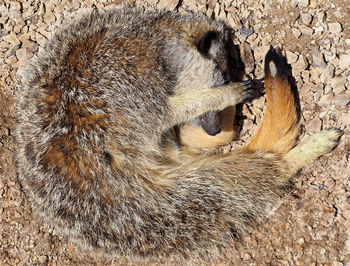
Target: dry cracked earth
[[311, 226]]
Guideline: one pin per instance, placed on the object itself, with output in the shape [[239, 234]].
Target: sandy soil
[[311, 226]]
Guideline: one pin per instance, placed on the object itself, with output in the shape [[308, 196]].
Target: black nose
[[213, 130]]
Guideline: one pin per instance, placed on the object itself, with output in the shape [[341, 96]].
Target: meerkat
[[92, 154]]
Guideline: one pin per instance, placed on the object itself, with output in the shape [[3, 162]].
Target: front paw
[[243, 89]]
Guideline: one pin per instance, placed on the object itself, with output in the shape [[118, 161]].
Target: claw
[[248, 93], [246, 84]]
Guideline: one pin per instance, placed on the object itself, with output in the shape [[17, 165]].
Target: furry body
[[92, 154]]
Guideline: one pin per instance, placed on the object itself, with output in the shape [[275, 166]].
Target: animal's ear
[[206, 42]]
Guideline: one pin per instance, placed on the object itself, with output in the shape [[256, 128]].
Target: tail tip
[[274, 63]]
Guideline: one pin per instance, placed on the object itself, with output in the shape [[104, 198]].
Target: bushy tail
[[279, 128]]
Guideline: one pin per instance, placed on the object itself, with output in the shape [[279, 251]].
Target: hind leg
[[313, 147]]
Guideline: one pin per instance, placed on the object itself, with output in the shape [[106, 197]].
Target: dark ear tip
[[206, 41], [275, 56]]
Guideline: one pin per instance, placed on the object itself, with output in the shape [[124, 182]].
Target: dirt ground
[[311, 226]]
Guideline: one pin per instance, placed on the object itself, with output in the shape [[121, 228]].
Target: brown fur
[[95, 153]]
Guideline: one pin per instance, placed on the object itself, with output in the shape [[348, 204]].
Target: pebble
[[317, 95], [306, 76], [30, 46], [168, 4], [259, 102], [291, 57], [217, 9], [320, 15], [322, 251], [253, 40], [335, 61], [3, 9], [315, 75], [247, 57], [234, 21], [303, 3], [28, 12], [319, 29], [337, 263], [306, 30], [267, 38], [294, 3], [11, 51], [338, 84], [49, 17], [41, 39], [212, 3], [11, 60], [248, 124], [246, 256], [341, 99], [24, 37], [260, 52], [329, 71], [222, 15], [318, 58], [23, 54], [346, 74], [296, 32], [15, 14], [306, 18], [327, 87], [151, 2], [301, 241], [346, 213], [12, 38], [335, 27], [42, 259], [301, 63], [345, 120], [246, 31], [325, 99], [314, 125], [313, 3], [344, 61]]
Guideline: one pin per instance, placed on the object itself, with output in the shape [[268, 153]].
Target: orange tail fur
[[279, 128]]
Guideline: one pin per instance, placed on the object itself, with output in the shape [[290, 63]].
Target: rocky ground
[[311, 226]]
